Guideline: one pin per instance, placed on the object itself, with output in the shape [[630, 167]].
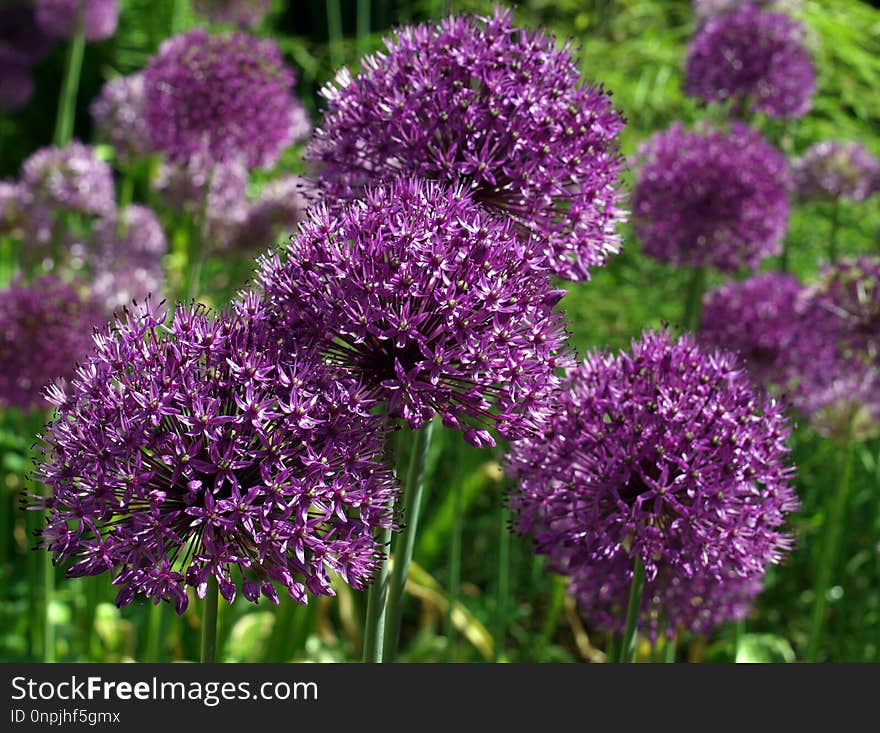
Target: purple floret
[[667, 453], [58, 18], [832, 170], [45, 330], [222, 98], [435, 303], [202, 448], [119, 116], [498, 110], [754, 59], [711, 198]]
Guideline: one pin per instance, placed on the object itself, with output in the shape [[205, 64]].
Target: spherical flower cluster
[[754, 59], [711, 198], [220, 97], [11, 207], [201, 448], [59, 18], [182, 186], [757, 319], [832, 170], [711, 8], [277, 212], [21, 34], [432, 301], [236, 12], [45, 329], [698, 604], [119, 116], [127, 257], [667, 454], [498, 110], [16, 84]]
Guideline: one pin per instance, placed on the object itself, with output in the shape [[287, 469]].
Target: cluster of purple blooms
[[436, 303], [711, 198], [711, 8], [667, 455], [54, 319], [22, 45], [60, 18], [497, 110], [220, 98], [245, 13], [205, 448], [754, 59], [832, 170], [119, 116]]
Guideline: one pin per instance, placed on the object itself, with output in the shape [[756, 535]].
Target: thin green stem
[[739, 631], [454, 569], [334, 32], [693, 299], [403, 546], [48, 623], [154, 651], [363, 26], [627, 650], [670, 649], [374, 627], [70, 86], [196, 250], [834, 231], [209, 622], [829, 549], [502, 589]]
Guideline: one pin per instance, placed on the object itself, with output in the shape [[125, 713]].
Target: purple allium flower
[[832, 170], [277, 212], [710, 198], [11, 207], [667, 453], [236, 12], [711, 8], [16, 83], [671, 601], [499, 110], [433, 301], [58, 18], [181, 187], [119, 116], [204, 448], [755, 318], [220, 97], [20, 33], [755, 59], [45, 329], [127, 258]]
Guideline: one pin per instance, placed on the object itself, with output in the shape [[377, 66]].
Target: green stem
[[670, 649], [503, 587], [454, 569], [48, 624], [834, 231], [374, 627], [334, 32], [93, 593], [403, 546], [153, 650], [693, 299], [627, 650], [70, 86], [196, 251], [363, 26], [209, 622], [829, 550], [739, 631]]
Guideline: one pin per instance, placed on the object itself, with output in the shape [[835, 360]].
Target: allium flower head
[[119, 115], [756, 319], [11, 207], [277, 212], [58, 18], [433, 301], [831, 170], [710, 198], [127, 257], [20, 32], [236, 12], [754, 59], [182, 186], [499, 110], [191, 450], [220, 97], [667, 453], [671, 601], [45, 329], [16, 83]]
